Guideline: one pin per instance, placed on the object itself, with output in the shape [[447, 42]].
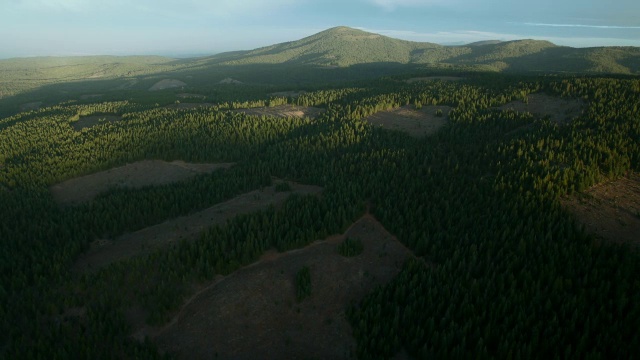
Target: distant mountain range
[[344, 46], [356, 53]]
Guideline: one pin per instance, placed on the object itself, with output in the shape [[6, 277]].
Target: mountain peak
[[343, 46]]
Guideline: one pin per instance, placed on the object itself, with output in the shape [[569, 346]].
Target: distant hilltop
[[343, 46]]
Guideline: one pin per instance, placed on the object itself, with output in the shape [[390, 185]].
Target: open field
[[189, 105], [283, 111], [253, 313], [413, 122], [431, 78], [288, 93], [104, 252], [611, 210], [190, 96], [138, 174], [558, 109], [167, 84], [89, 121], [35, 105]]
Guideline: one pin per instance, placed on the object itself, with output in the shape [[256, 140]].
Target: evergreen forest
[[501, 268]]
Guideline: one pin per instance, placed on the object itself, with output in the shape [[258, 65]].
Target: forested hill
[[344, 46]]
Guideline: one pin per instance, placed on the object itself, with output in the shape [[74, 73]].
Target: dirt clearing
[[283, 111], [230, 81], [558, 109], [31, 106], [190, 96], [89, 121], [611, 210], [167, 84], [431, 78], [287, 93], [189, 105], [104, 252], [413, 122], [138, 174], [253, 313]]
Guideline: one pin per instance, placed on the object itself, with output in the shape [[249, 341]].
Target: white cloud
[[469, 36], [49, 5], [582, 26], [391, 5], [184, 8]]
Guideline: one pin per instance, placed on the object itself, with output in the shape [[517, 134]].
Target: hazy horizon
[[197, 27]]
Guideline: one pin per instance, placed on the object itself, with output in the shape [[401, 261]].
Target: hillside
[[344, 46], [237, 263], [336, 55], [339, 46]]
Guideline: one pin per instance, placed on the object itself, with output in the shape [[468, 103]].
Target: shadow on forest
[[257, 80]]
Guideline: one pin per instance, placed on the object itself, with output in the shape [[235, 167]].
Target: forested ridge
[[502, 270]]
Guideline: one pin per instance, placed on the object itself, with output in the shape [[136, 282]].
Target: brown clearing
[[104, 252], [559, 109], [167, 84], [189, 105], [138, 174], [90, 96], [611, 210], [288, 93], [190, 96], [230, 81], [413, 122], [253, 313], [89, 121], [283, 111], [430, 78], [31, 106]]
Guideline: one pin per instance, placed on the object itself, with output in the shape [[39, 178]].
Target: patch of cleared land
[[127, 84], [31, 106], [90, 96], [89, 121], [611, 210], [189, 105], [288, 93], [253, 313], [413, 122], [138, 174], [283, 111], [167, 84], [104, 252], [190, 96], [230, 81], [558, 109], [431, 78]]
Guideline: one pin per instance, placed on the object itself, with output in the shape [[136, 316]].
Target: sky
[[203, 27]]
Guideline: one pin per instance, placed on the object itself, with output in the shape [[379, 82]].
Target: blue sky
[[174, 27]]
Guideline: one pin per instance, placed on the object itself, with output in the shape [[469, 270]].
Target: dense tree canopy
[[502, 269]]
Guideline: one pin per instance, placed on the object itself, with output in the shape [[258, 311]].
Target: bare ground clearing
[[167, 84], [138, 174], [558, 109], [190, 96], [283, 111], [288, 93], [253, 313], [104, 252], [190, 105], [413, 122], [230, 81], [611, 210], [430, 78], [90, 96], [31, 106], [89, 121]]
